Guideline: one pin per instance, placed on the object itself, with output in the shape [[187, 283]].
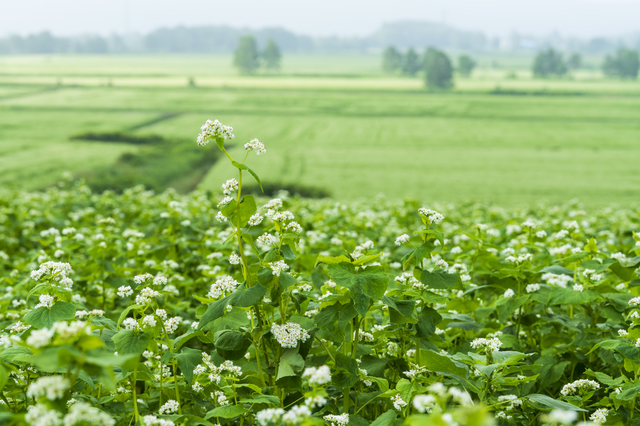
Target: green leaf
[[231, 344], [130, 342], [287, 253], [509, 306], [346, 374], [187, 360], [629, 394], [226, 412], [568, 296], [239, 165], [443, 364], [330, 260], [548, 402], [386, 419], [46, 317], [271, 400], [336, 315], [287, 280], [4, 377], [245, 297], [373, 365], [438, 279], [291, 363], [255, 176], [365, 285], [214, 310], [220, 143], [246, 209], [428, 318], [591, 246], [626, 274]]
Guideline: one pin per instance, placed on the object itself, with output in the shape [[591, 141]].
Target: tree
[[272, 56], [246, 57], [439, 71], [549, 63], [466, 64], [623, 64], [411, 64], [575, 61], [391, 60]]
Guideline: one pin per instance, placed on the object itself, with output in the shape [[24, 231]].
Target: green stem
[[134, 390], [175, 385]]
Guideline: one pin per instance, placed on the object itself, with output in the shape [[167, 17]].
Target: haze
[[580, 18]]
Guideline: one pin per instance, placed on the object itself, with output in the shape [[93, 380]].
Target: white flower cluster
[[269, 416], [267, 240], [46, 301], [289, 334], [512, 399], [278, 267], [214, 129], [404, 238], [317, 376], [230, 186], [635, 301], [559, 280], [337, 420], [142, 278], [561, 417], [579, 386], [146, 295], [398, 402], [255, 145], [170, 407], [81, 413], [591, 275], [222, 287], [532, 288], [57, 271], [43, 337], [234, 259], [424, 403], [489, 345], [50, 387], [509, 293], [433, 216], [151, 420], [599, 417], [527, 257], [256, 219], [125, 291]]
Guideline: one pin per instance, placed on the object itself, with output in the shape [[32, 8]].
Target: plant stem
[[134, 390]]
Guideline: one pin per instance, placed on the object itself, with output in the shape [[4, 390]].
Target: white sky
[[583, 18]]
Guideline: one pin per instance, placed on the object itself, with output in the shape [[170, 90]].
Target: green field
[[335, 123]]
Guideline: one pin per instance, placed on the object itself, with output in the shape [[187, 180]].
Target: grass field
[[346, 127]]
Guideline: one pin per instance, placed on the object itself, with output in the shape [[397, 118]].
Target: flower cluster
[[214, 129], [290, 334]]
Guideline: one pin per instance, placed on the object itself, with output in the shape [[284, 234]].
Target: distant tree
[[246, 57], [623, 64], [549, 63], [575, 61], [391, 60], [439, 71], [466, 64], [411, 64], [272, 56]]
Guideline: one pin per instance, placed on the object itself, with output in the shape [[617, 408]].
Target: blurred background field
[[333, 122]]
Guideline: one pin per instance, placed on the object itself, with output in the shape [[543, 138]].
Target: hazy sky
[[584, 18]]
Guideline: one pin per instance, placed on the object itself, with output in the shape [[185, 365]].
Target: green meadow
[[334, 123]]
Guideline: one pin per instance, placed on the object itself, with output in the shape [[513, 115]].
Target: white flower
[[561, 416], [296, 415], [149, 321], [337, 420], [81, 413], [170, 407], [41, 415], [424, 403], [221, 218], [151, 420], [509, 293], [255, 145], [398, 402], [599, 416], [171, 325], [579, 385], [278, 267], [317, 376], [234, 259], [622, 332], [214, 129], [51, 387], [230, 186], [222, 287], [433, 216], [256, 219], [532, 288], [619, 256], [404, 238], [224, 201], [40, 338], [125, 291], [269, 416], [578, 287], [46, 301], [130, 324], [635, 301], [541, 234], [489, 345], [289, 334]]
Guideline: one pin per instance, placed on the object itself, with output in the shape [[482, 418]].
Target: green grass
[[347, 129]]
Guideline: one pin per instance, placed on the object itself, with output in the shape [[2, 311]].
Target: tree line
[[248, 59], [624, 64]]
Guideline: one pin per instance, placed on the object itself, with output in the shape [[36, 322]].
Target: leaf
[[558, 270], [187, 360], [591, 246], [329, 260], [365, 285], [346, 374], [231, 344], [509, 306], [246, 209], [287, 280], [287, 253], [271, 400], [443, 364], [255, 176], [629, 394], [438, 279], [214, 310], [427, 321], [335, 315], [291, 363], [386, 419], [226, 412], [46, 317], [220, 143], [551, 403], [568, 296], [130, 342], [245, 297], [373, 365], [626, 274], [239, 165]]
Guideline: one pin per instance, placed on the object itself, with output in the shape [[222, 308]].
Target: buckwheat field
[[219, 308]]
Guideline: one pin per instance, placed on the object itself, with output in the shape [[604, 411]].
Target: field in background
[[335, 122]]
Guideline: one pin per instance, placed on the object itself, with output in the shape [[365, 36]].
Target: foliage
[[391, 60], [438, 70], [292, 189], [411, 63], [466, 64], [549, 63], [271, 56], [623, 64], [196, 310], [246, 57], [122, 137]]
